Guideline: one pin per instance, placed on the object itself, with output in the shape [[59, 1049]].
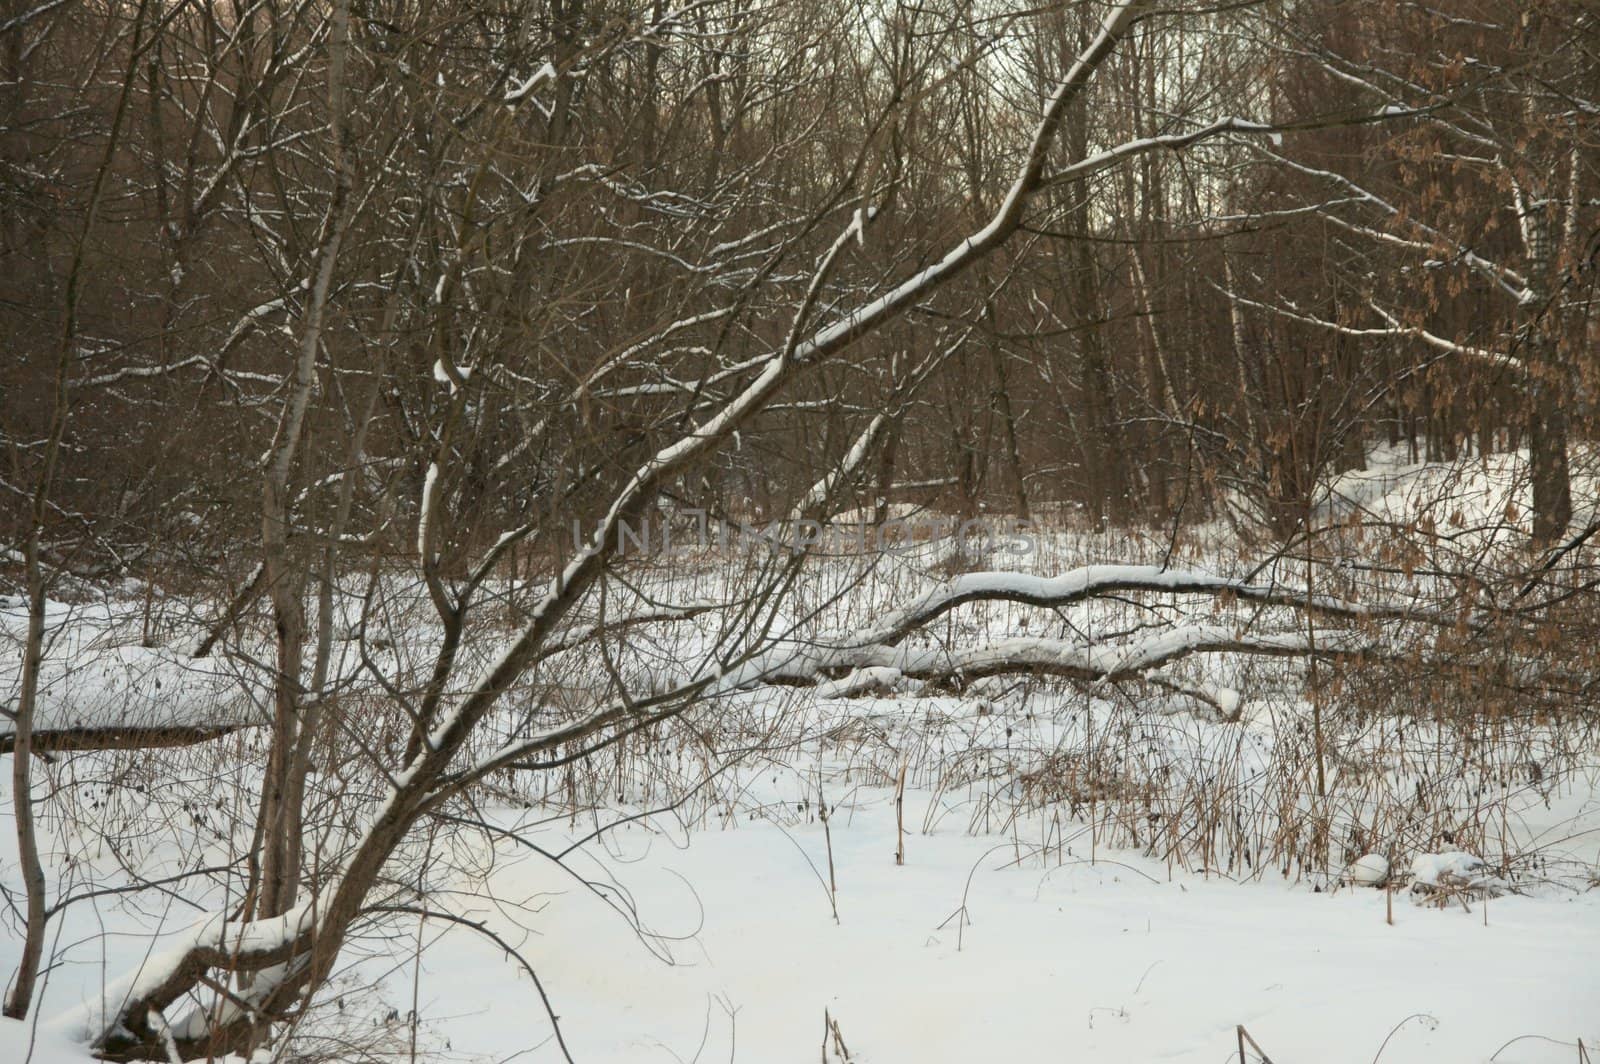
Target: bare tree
[[438, 284]]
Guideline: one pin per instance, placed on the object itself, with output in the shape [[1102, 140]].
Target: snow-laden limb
[[846, 671], [1503, 277], [876, 659], [212, 363], [1225, 702], [825, 488], [127, 373], [237, 603], [252, 320], [38, 11], [546, 72], [211, 940], [1046, 656], [1272, 132], [451, 375], [430, 495], [1093, 581], [1393, 328], [875, 679]]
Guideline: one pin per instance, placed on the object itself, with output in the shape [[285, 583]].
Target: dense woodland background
[[1196, 329], [301, 294]]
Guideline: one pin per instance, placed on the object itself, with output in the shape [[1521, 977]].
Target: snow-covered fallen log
[[129, 696], [133, 696], [1099, 581], [842, 672]]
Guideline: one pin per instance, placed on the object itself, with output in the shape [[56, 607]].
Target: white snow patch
[[1369, 870]]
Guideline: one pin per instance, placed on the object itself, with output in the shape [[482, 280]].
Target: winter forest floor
[[1085, 878], [961, 954]]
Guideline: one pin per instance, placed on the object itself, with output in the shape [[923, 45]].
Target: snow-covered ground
[[709, 934], [1097, 875], [963, 954], [730, 951]]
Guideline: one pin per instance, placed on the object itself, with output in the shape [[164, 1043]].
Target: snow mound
[[22, 1042], [1371, 870], [1453, 870], [131, 686], [96, 676], [1484, 498], [874, 679]]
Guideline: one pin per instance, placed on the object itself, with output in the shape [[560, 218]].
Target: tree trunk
[[279, 819], [32, 870], [1103, 452], [1547, 453], [21, 996]]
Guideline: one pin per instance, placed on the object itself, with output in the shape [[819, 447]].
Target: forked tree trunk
[[279, 817]]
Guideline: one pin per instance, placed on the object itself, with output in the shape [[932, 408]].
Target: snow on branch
[[875, 659], [1507, 279], [546, 72], [845, 671], [1394, 328], [1094, 581], [825, 488], [212, 940], [880, 665]]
